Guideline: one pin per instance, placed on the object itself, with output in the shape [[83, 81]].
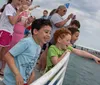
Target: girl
[[75, 34], [9, 17], [28, 25], [20, 26]]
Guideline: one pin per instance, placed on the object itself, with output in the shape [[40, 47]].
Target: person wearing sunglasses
[[58, 21]]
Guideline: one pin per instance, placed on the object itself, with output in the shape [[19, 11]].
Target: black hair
[[52, 12], [76, 22], [39, 23], [2, 9], [31, 0], [45, 11], [9, 1], [73, 30]]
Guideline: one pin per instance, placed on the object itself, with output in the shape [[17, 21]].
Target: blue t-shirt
[[44, 17], [25, 54]]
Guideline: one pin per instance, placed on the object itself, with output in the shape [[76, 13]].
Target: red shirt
[[25, 84], [29, 27]]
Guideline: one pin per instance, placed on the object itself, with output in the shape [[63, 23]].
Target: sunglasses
[[64, 10]]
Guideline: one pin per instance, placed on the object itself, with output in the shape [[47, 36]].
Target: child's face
[[45, 13], [17, 2], [30, 19], [44, 34], [74, 37], [26, 2], [65, 41]]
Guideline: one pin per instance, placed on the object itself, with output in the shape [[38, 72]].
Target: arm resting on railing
[[86, 54], [55, 59]]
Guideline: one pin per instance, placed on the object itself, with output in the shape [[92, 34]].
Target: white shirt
[[55, 18], [4, 21], [0, 14]]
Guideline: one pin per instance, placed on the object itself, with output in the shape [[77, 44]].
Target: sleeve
[[52, 52], [56, 19], [19, 48], [70, 48], [9, 10]]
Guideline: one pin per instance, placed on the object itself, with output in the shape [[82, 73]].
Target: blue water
[[82, 71]]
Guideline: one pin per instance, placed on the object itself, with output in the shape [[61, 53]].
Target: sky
[[86, 11]]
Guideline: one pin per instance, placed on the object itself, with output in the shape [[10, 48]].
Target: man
[[58, 21], [45, 14]]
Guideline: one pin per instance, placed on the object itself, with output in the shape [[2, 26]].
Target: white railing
[[62, 65]]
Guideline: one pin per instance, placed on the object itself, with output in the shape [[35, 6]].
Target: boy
[[22, 58]]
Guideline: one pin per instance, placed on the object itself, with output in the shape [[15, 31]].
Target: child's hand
[[19, 80], [36, 6], [19, 9], [66, 52], [31, 8], [97, 60]]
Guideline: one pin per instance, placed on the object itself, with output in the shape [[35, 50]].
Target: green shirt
[[54, 51]]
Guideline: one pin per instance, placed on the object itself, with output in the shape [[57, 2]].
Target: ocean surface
[[82, 71]]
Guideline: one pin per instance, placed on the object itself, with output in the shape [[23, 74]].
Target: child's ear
[[35, 31], [59, 39]]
